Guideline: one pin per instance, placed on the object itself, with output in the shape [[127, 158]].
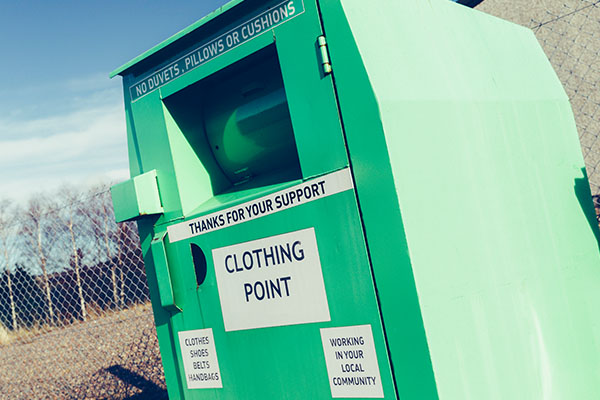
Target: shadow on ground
[[135, 374], [118, 382], [149, 389]]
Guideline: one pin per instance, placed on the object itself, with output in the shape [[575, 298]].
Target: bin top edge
[[165, 43]]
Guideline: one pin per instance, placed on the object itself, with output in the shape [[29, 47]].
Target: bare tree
[[32, 228], [126, 241], [122, 233], [102, 214], [71, 199], [7, 224]]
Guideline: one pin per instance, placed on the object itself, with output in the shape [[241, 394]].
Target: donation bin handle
[[163, 276]]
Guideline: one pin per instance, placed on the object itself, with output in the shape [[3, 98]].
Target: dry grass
[[5, 336], [25, 334]]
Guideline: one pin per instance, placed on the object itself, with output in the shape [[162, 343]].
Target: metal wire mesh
[[75, 318], [569, 32]]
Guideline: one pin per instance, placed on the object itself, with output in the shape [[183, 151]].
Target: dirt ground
[[113, 357]]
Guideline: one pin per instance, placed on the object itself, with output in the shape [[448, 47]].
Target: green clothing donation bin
[[352, 199]]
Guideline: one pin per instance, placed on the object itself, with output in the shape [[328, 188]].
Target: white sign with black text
[[352, 362], [200, 359], [297, 195], [273, 281]]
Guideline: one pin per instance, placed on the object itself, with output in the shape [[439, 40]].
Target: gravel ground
[[113, 357]]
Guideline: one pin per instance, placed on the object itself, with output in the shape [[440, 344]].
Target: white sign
[[200, 359], [305, 192], [352, 362], [271, 282]]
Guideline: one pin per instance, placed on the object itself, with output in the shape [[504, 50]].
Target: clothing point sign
[[273, 281], [218, 46]]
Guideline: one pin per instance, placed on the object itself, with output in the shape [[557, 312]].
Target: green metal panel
[[458, 232], [162, 317], [295, 351], [163, 273], [487, 168], [137, 197], [173, 124]]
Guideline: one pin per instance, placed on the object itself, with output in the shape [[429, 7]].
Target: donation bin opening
[[242, 112]]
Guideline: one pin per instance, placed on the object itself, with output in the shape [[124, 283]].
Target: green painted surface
[[295, 352], [486, 166], [174, 121], [468, 243], [382, 219], [137, 197]]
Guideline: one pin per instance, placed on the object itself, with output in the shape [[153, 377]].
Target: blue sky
[[61, 117]]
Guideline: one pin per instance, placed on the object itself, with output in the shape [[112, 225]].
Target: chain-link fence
[[569, 32], [75, 318]]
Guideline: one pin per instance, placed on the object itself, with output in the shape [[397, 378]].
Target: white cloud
[[63, 137], [82, 143], [39, 100]]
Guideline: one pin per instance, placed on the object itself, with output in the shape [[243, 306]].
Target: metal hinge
[[324, 54]]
